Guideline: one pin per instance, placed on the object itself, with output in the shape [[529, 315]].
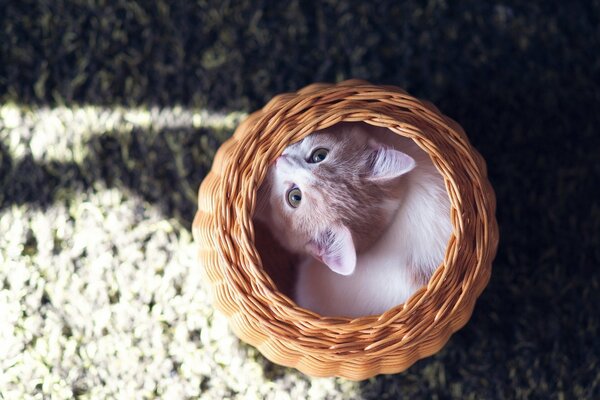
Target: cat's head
[[331, 195]]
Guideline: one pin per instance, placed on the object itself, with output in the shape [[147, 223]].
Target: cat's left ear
[[388, 163], [335, 248]]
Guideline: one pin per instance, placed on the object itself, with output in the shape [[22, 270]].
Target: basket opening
[[282, 265]]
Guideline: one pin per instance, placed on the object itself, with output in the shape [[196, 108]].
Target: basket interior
[[279, 264]]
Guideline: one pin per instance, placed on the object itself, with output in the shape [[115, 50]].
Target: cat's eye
[[318, 155], [294, 196]]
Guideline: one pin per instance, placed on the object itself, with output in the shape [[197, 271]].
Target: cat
[[365, 209]]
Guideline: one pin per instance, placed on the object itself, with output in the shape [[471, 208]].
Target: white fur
[[415, 242]]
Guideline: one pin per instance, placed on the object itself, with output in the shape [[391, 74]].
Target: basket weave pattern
[[324, 346]]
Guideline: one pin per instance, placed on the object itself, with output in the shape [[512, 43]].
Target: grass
[[110, 114]]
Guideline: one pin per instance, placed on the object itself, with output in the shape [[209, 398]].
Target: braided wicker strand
[[359, 348]]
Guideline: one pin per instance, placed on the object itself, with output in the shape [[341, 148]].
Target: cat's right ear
[[335, 248], [387, 163]]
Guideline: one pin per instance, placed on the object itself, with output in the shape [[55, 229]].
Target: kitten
[[367, 211]]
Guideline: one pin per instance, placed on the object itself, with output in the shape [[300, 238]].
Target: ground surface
[[110, 115]]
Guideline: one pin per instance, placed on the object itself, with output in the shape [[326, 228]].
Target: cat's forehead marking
[[329, 140], [292, 170]]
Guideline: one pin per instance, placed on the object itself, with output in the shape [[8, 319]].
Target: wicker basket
[[264, 316]]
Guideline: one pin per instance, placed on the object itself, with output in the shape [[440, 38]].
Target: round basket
[[258, 310]]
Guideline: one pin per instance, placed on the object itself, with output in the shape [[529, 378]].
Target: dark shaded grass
[[522, 78]]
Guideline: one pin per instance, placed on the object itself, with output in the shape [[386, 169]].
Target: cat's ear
[[335, 248], [388, 163]]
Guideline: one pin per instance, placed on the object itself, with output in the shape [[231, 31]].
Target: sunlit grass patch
[[100, 291]]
